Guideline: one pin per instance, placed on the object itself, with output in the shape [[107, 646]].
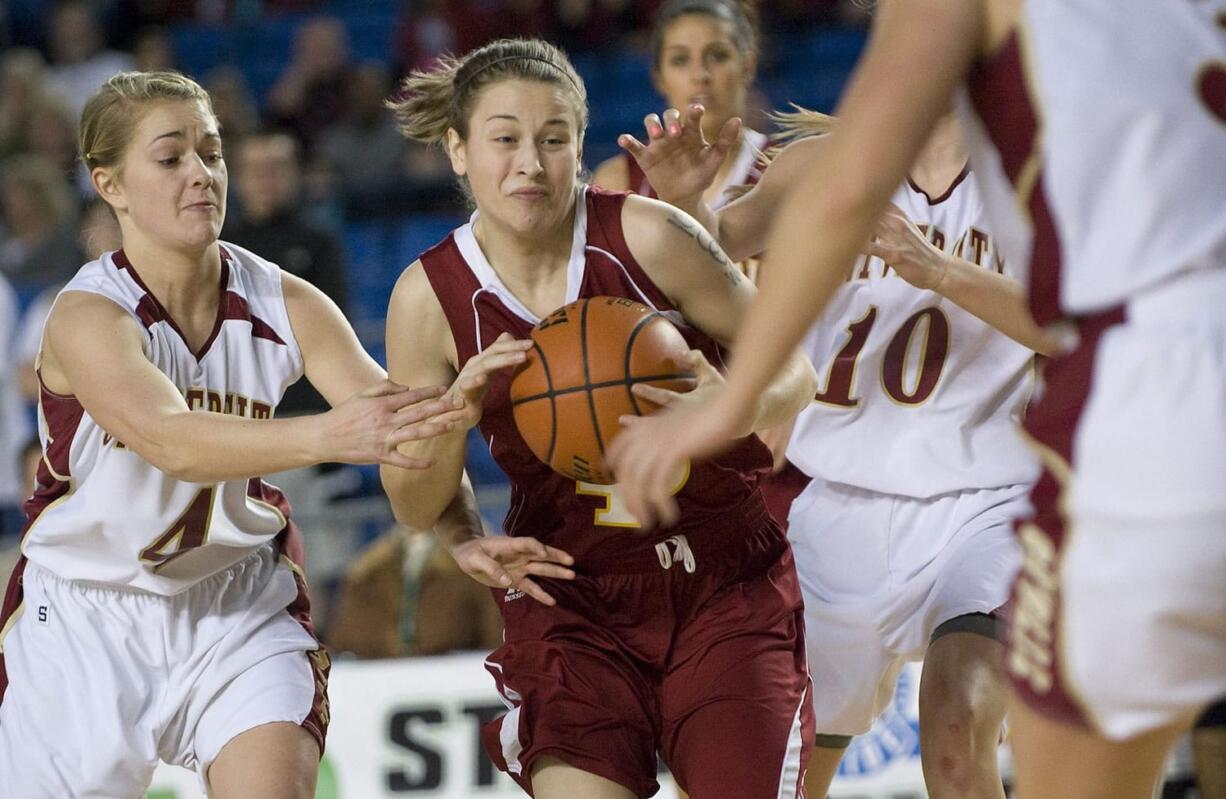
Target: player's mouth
[[533, 194]]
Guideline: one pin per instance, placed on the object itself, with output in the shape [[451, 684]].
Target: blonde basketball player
[[158, 611], [903, 540], [1096, 131]]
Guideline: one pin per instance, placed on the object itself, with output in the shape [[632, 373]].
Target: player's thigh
[[736, 705], [553, 778], [1055, 760], [579, 699], [279, 760], [76, 716]]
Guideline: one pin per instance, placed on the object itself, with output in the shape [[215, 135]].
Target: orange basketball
[[576, 383]]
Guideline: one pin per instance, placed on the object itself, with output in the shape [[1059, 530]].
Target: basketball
[[576, 383]]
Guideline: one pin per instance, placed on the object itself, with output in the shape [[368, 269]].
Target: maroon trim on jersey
[[1053, 423], [1002, 99], [290, 544], [63, 416], [945, 195], [230, 305], [638, 182]]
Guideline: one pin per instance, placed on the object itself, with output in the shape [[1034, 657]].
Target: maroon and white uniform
[[688, 641], [172, 614], [1105, 178]]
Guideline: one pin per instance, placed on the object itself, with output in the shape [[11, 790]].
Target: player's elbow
[[411, 506], [806, 383]]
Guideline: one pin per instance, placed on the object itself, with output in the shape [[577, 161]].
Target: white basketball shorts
[[1119, 612], [880, 572], [105, 682]]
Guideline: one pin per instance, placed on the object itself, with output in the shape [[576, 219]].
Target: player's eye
[[171, 161]]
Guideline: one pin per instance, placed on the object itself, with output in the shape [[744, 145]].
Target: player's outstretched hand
[[708, 379], [678, 161], [368, 427], [903, 246], [505, 562], [474, 379], [649, 453]]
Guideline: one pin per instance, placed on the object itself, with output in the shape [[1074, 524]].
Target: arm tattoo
[[708, 243]]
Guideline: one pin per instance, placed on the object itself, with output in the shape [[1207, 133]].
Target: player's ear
[[106, 183], [456, 152], [751, 68]]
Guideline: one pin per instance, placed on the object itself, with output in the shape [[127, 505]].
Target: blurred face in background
[[699, 63], [269, 176]]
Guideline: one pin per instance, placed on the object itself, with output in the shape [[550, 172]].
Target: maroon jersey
[[719, 499], [746, 170]]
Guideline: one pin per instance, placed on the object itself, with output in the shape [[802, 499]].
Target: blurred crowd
[[314, 149]]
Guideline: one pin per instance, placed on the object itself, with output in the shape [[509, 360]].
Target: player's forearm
[[420, 496], [200, 447], [997, 300], [796, 285], [461, 519], [787, 395]]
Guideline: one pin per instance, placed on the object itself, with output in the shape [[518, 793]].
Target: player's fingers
[[631, 145], [480, 563], [626, 420], [535, 591], [409, 414], [417, 432], [558, 556], [653, 126], [542, 569], [729, 133], [693, 115], [672, 122], [660, 396], [397, 458]]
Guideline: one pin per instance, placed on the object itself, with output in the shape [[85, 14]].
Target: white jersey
[[1099, 133], [916, 397], [102, 513]]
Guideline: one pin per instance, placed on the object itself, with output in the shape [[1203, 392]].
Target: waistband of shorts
[[269, 549], [708, 542], [1181, 296]]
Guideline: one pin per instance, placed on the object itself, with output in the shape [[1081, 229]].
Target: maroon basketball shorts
[[699, 657]]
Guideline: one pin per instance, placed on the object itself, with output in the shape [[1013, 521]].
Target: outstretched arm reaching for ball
[[825, 221], [686, 263]]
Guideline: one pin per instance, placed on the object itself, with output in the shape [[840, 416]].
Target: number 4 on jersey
[[185, 533]]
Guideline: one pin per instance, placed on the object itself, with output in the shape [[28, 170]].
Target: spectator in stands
[[312, 92], [268, 176], [236, 110], [153, 50], [23, 83], [365, 148], [79, 61], [14, 427], [51, 133], [98, 233], [404, 595], [39, 245]]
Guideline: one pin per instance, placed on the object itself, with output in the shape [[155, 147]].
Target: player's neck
[[942, 159], [184, 283], [534, 268]]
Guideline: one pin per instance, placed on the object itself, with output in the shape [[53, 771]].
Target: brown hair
[[432, 102], [109, 117], [742, 15]]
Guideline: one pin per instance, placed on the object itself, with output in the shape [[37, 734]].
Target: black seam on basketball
[[634, 333], [553, 405], [587, 377], [606, 384]]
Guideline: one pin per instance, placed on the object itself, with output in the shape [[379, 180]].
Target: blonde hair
[[110, 115], [799, 123], [434, 101]]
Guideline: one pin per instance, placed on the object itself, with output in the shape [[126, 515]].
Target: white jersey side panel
[[103, 513], [916, 397], [1129, 99]]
